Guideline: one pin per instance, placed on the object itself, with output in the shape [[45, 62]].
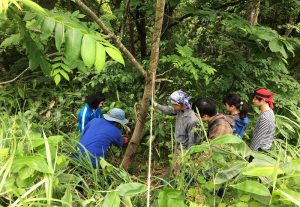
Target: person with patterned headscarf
[[187, 129], [186, 125], [265, 125]]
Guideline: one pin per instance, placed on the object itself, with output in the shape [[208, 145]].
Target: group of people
[[187, 118], [99, 130]]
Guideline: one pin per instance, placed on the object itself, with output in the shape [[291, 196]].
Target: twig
[[159, 80], [12, 80]]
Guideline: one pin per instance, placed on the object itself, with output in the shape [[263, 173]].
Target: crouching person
[[218, 124], [100, 133]]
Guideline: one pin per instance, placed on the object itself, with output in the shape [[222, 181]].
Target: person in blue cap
[[92, 109], [100, 133]]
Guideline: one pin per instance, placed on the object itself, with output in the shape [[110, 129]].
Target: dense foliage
[[208, 48]]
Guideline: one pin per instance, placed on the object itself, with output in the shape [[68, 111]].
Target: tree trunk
[[254, 12], [149, 86], [131, 37], [142, 34], [288, 31]]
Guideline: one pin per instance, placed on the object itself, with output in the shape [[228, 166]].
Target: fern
[[189, 64]]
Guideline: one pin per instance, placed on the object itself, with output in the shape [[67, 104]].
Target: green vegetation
[[54, 53]]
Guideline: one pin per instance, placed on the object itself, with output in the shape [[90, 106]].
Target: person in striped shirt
[[92, 109], [265, 126]]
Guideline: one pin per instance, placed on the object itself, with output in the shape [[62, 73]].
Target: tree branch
[[223, 6], [176, 21], [12, 80], [159, 80], [114, 37]]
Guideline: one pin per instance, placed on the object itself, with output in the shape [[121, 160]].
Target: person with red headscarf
[[265, 125]]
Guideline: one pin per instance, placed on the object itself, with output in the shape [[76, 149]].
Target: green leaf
[[115, 54], [65, 178], [276, 46], [33, 52], [265, 33], [111, 199], [170, 198], [4, 153], [127, 201], [57, 79], [13, 39], [48, 26], [226, 139], [46, 66], [100, 57], [289, 195], [263, 160], [225, 175], [34, 6], [25, 172], [54, 140], [67, 197], [131, 189], [262, 171], [253, 187], [242, 149], [88, 50], [64, 74], [194, 149], [73, 44], [35, 162], [288, 46], [59, 35]]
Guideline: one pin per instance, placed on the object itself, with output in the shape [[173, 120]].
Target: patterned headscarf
[[266, 95], [180, 97]]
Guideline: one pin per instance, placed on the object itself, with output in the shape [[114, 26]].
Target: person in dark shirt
[[100, 133]]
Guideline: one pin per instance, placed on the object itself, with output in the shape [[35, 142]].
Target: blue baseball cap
[[117, 115]]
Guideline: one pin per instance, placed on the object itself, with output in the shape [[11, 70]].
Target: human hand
[[125, 140], [149, 101]]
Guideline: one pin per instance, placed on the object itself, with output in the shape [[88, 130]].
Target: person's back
[[85, 115], [240, 125], [219, 125], [238, 109], [98, 135], [91, 110]]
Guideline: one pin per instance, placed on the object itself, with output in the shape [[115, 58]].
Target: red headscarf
[[266, 95]]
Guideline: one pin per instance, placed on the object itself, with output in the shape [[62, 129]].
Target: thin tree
[[149, 75]]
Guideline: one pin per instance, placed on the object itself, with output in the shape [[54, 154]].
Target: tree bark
[[149, 86], [142, 34], [288, 31], [254, 12]]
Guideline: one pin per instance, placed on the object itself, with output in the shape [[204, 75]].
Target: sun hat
[[117, 115]]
